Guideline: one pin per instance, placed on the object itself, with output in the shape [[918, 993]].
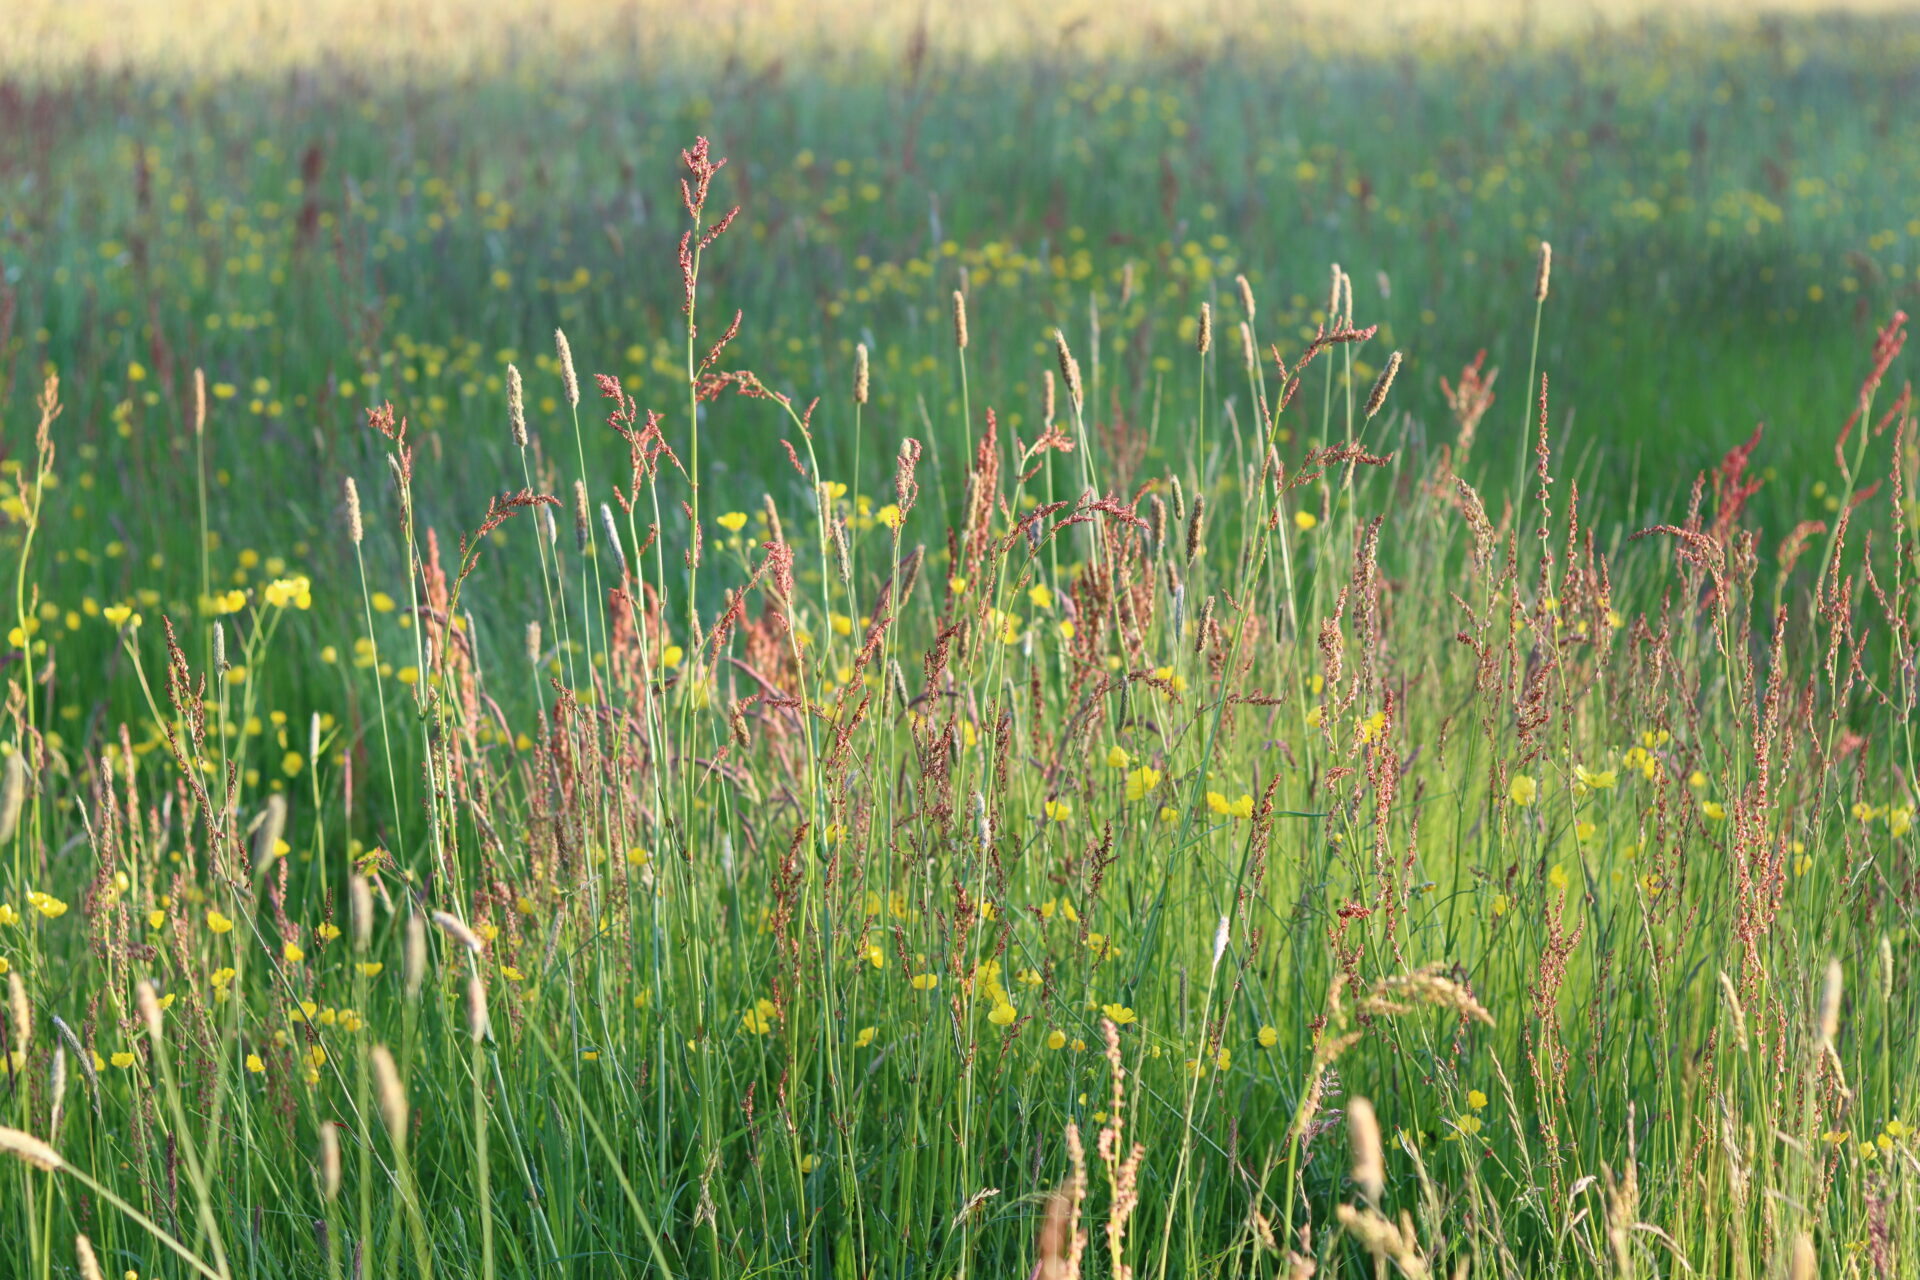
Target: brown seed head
[[1046, 398], [1069, 368], [1203, 341], [1383, 384], [1196, 526], [582, 520], [960, 320], [1246, 296], [860, 379]]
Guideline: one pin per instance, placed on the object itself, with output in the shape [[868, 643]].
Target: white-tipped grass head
[[89, 1264], [476, 1008], [516, 407], [1545, 274], [1804, 1264], [415, 957], [613, 539], [360, 911], [21, 1011], [456, 929], [959, 320], [1829, 1024], [20, 1143], [356, 530], [391, 1093], [268, 830], [1369, 1161], [148, 1002], [329, 1161], [13, 795]]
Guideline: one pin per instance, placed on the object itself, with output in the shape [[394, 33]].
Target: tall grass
[[767, 907]]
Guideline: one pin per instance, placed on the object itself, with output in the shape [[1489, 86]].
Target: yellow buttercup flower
[[1524, 790]]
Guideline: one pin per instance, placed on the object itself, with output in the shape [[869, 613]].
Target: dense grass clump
[[1028, 760]]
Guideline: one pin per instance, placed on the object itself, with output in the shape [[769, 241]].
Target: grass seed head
[[1196, 527], [21, 1010], [1830, 1004], [13, 795], [861, 382], [613, 539], [1383, 384], [1804, 1265], [476, 1008], [355, 529], [360, 911], [959, 320], [565, 351], [1203, 341], [516, 407], [414, 961], [582, 517], [40, 1155], [391, 1093], [1069, 368], [457, 929], [1246, 297], [1545, 275], [267, 832], [89, 1265], [148, 1003], [329, 1161], [1369, 1163]]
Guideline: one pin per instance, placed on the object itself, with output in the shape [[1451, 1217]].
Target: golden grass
[[478, 36]]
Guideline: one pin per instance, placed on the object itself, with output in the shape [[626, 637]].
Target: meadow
[[1194, 640]]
